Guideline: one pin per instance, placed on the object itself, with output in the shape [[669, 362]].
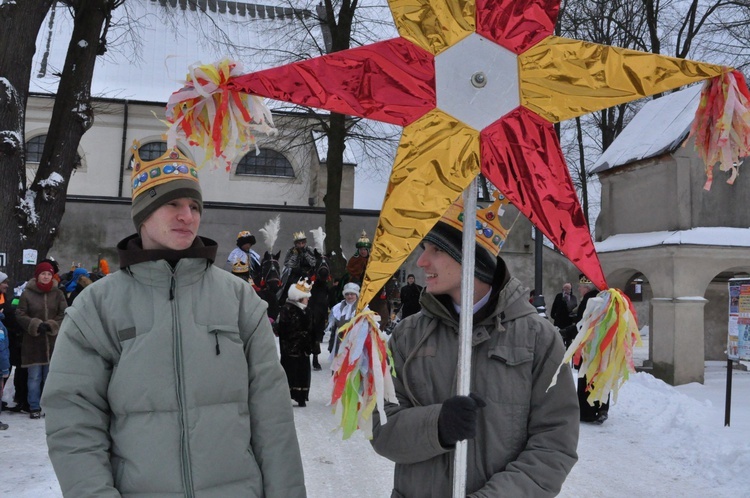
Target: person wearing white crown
[[296, 340], [165, 379]]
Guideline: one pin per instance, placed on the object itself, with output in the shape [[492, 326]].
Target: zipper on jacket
[[171, 287], [187, 477]]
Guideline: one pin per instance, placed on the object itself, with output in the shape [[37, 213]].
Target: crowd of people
[[30, 317]]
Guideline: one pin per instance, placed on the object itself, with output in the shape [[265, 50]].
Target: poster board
[[738, 340]]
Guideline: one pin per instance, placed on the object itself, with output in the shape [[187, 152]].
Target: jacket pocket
[[512, 356], [226, 336]]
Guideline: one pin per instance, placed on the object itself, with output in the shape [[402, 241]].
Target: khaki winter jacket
[[526, 436], [34, 308], [167, 383]]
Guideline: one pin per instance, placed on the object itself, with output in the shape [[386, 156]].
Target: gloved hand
[[458, 418], [44, 328]]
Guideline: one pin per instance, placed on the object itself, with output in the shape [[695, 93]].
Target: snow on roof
[[659, 127], [151, 43], [706, 236], [321, 145]]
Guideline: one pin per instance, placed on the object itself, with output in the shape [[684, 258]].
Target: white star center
[[477, 81]]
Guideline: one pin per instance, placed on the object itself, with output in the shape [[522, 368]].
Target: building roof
[[703, 236], [151, 43], [658, 128]]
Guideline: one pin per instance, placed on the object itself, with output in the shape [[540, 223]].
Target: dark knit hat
[[448, 239], [172, 176]]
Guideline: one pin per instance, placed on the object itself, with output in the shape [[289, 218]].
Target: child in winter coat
[[296, 341]]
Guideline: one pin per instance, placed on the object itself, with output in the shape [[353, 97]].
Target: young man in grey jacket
[[522, 437], [165, 380]]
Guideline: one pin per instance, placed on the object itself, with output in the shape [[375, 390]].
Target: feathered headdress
[[319, 238], [270, 232]]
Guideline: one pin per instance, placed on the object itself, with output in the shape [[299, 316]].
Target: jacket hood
[[131, 251]]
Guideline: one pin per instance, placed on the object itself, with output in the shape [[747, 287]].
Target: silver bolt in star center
[[478, 79]]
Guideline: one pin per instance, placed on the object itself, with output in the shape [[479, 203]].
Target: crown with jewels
[[299, 236], [490, 234], [172, 165]]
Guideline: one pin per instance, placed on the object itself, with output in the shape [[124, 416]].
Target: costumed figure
[[296, 341], [318, 305], [340, 314], [243, 261], [355, 271], [299, 261], [355, 267]]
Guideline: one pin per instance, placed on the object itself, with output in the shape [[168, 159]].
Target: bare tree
[[686, 29], [30, 216]]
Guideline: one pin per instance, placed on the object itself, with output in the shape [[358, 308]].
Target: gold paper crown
[[299, 236], [303, 286], [583, 279], [363, 241], [241, 267], [244, 233], [490, 234], [172, 165]]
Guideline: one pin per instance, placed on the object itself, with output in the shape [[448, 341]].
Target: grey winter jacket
[[167, 383], [526, 436]]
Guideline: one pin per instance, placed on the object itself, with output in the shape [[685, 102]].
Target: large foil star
[[477, 86]]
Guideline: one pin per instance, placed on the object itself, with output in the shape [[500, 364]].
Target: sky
[[659, 441]]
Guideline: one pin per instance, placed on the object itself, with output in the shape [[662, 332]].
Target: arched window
[[267, 163], [35, 147]]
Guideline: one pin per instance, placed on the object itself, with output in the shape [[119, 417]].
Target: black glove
[[44, 328], [458, 418]]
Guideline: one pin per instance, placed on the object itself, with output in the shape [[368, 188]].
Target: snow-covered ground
[[659, 441]]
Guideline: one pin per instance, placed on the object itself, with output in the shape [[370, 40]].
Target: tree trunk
[[19, 25], [42, 205], [335, 165], [340, 40]]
